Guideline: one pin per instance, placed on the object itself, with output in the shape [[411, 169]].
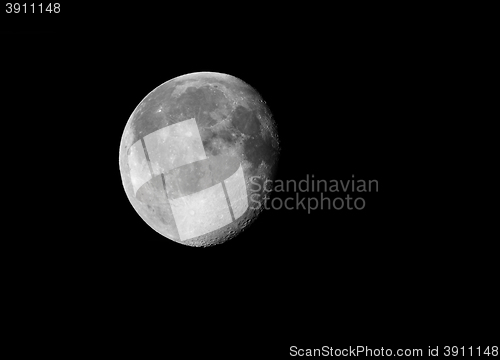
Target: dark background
[[347, 100], [337, 100]]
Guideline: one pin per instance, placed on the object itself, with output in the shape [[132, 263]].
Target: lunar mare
[[188, 153]]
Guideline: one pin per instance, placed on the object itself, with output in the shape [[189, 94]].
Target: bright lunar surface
[[195, 156]]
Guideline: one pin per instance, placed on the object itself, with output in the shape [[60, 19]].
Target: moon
[[195, 157]]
